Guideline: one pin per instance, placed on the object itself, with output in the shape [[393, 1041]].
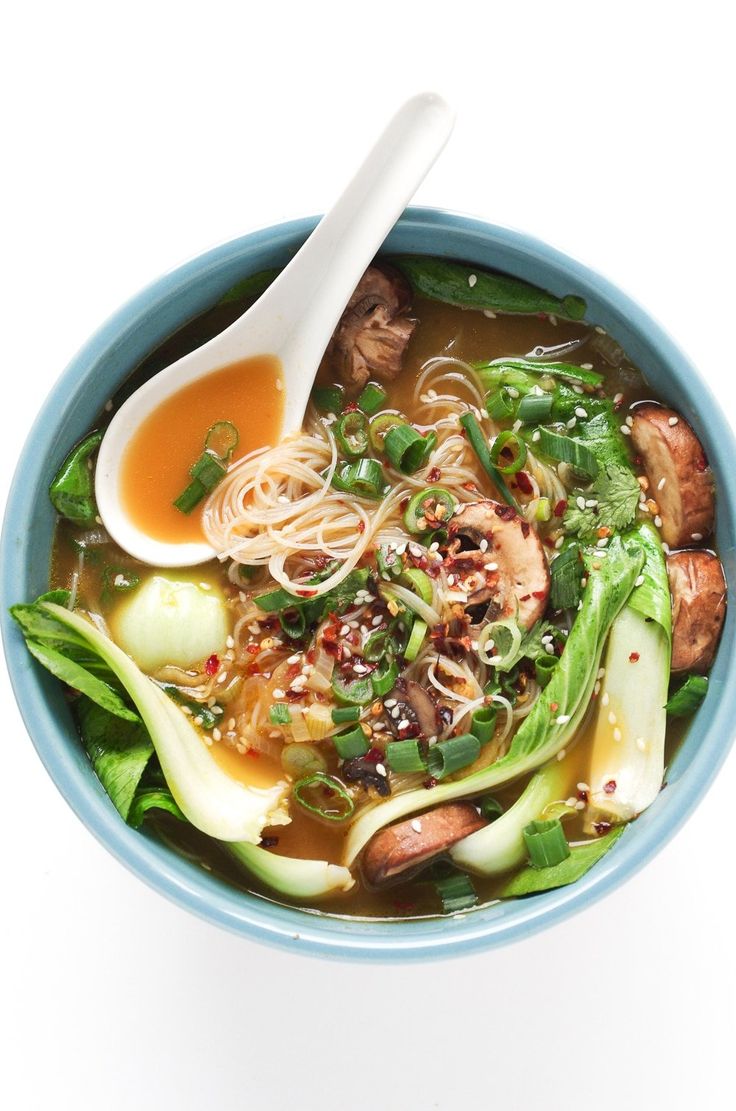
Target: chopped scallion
[[328, 399], [546, 843], [384, 677], [450, 756], [416, 639], [456, 892], [371, 399], [324, 796], [565, 449], [508, 453], [688, 697], [407, 449], [535, 408], [500, 405], [351, 433], [405, 757], [478, 443], [341, 714], [483, 723], [354, 692], [351, 744], [279, 714], [490, 808]]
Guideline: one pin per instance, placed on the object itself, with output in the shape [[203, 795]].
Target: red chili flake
[[701, 464], [554, 707], [306, 593], [212, 666], [434, 475], [610, 787], [295, 696], [292, 671], [254, 649], [582, 795], [505, 512], [253, 753], [524, 483], [433, 570], [361, 526], [634, 657], [638, 460], [525, 597], [560, 508], [431, 782], [269, 842], [525, 527], [539, 594], [470, 487], [351, 407], [310, 655], [374, 755], [602, 827]]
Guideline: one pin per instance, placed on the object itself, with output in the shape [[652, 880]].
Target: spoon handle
[[298, 313]]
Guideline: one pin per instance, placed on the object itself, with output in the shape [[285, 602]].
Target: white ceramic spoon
[[296, 316]]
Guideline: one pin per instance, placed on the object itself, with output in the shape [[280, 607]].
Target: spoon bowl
[[296, 316]]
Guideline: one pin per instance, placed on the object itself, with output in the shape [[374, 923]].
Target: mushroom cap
[[698, 590], [512, 572], [672, 451], [410, 844]]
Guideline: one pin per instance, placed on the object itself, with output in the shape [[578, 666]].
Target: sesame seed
[[404, 723], [580, 502], [639, 581], [660, 484], [696, 536], [208, 741], [483, 545], [630, 421], [512, 391], [376, 620], [381, 769], [571, 801], [561, 754], [625, 429], [618, 398], [586, 366], [673, 421], [611, 717], [389, 702], [617, 734], [601, 672], [294, 659], [641, 744], [580, 412], [360, 669], [590, 503], [401, 548], [602, 542], [345, 631], [279, 693], [559, 541], [489, 313], [583, 787], [605, 700], [580, 805], [231, 723], [395, 713], [658, 521], [216, 735], [536, 436], [577, 389], [379, 726], [108, 406], [450, 580], [562, 719], [599, 330], [416, 825], [490, 567], [572, 422]]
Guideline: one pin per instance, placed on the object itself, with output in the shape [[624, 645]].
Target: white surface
[[604, 128]]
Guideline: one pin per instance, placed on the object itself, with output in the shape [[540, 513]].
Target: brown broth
[[442, 329]]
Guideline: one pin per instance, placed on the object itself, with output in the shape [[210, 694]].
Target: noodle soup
[[403, 685]]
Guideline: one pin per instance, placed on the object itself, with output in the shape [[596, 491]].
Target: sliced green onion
[[384, 677], [380, 426], [364, 479], [351, 433], [405, 757], [302, 759], [483, 723], [375, 646], [328, 399], [508, 443], [688, 697], [371, 399], [535, 408], [544, 667], [490, 808], [190, 496], [506, 638], [543, 512], [355, 692], [407, 449], [500, 405], [324, 796], [566, 574], [222, 439], [342, 714], [450, 756], [388, 562], [567, 450], [456, 892], [279, 714], [429, 508], [416, 639], [546, 843], [418, 582], [209, 470], [478, 443], [350, 744]]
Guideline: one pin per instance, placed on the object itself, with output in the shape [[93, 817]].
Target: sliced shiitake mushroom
[[680, 479], [409, 702], [698, 590], [507, 573], [409, 845]]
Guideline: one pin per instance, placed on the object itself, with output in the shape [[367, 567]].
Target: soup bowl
[[80, 394]]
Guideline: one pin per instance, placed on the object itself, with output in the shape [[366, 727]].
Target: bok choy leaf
[[530, 880]]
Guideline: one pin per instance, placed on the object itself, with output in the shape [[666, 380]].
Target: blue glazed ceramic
[[72, 406]]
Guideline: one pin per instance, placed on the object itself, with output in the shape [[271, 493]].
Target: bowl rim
[[258, 918]]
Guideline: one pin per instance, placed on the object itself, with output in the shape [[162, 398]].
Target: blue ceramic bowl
[[80, 394]]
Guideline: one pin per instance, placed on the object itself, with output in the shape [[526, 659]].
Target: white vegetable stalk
[[627, 762], [209, 798], [301, 879]]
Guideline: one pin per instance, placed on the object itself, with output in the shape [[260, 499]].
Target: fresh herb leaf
[[118, 750], [616, 492], [686, 699], [531, 880]]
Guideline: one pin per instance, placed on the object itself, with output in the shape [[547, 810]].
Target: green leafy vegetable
[[566, 574], [616, 493], [530, 881], [72, 490], [152, 798], [299, 879], [473, 288], [686, 699], [118, 750], [250, 288], [546, 842]]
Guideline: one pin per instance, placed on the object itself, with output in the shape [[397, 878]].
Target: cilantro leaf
[[616, 491]]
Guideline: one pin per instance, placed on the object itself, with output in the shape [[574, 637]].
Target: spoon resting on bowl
[[293, 320]]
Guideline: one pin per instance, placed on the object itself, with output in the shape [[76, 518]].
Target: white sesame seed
[[630, 421], [231, 723], [660, 484], [696, 536], [208, 741], [580, 502], [641, 744], [400, 548], [559, 541], [489, 313], [580, 412], [625, 429], [216, 735], [562, 719], [381, 769], [404, 723], [658, 521], [591, 503], [580, 805], [599, 330], [108, 406], [561, 754], [345, 630], [450, 580], [376, 620], [583, 787], [378, 727], [605, 700], [572, 422], [279, 693], [602, 542], [416, 825], [536, 436], [577, 389], [395, 713], [360, 669], [611, 717], [639, 581], [490, 567], [483, 545], [586, 366], [617, 734], [666, 549], [571, 801], [512, 391], [294, 659], [673, 421], [601, 672]]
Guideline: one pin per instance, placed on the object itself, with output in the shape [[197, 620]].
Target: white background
[[139, 134]]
